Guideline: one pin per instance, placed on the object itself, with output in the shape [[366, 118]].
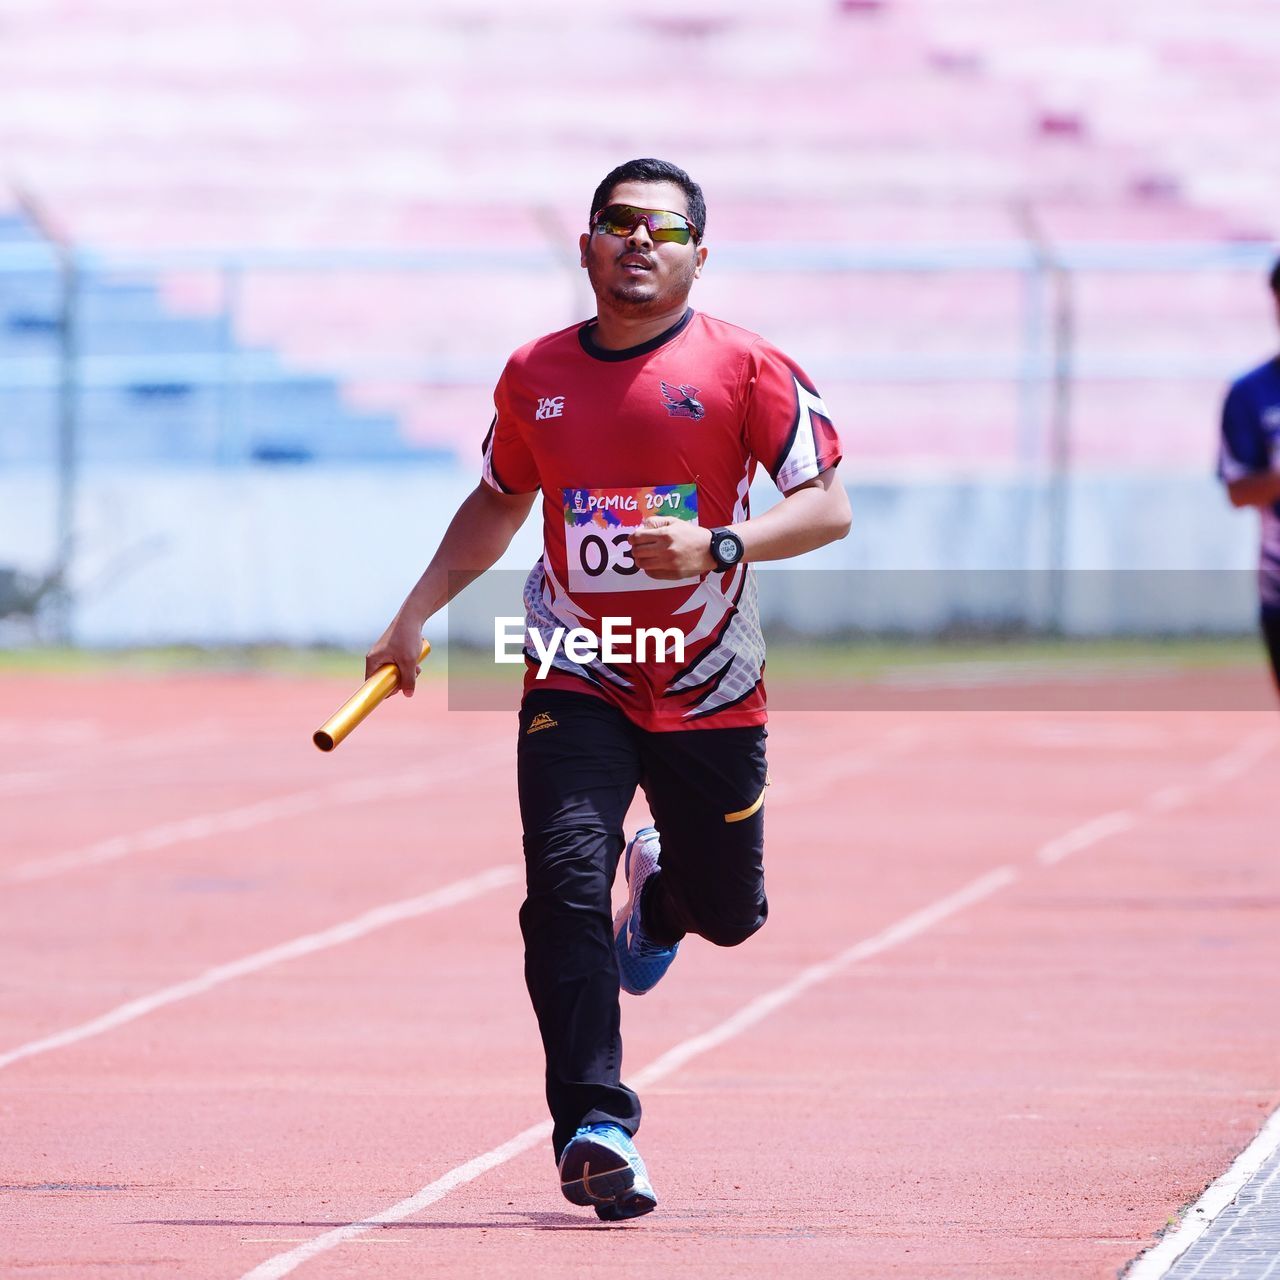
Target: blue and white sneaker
[[641, 963], [601, 1167]]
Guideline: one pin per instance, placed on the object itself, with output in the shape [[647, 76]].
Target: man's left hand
[[668, 549]]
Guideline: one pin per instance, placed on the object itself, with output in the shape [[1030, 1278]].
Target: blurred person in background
[[1249, 465], [641, 430]]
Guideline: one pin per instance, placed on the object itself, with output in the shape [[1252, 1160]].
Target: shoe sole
[[624, 912], [622, 940], [623, 916], [598, 1175], [628, 1206]]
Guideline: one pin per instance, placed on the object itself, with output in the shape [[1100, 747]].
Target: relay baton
[[382, 684]]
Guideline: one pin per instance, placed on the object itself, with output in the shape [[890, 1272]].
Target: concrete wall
[[307, 555]]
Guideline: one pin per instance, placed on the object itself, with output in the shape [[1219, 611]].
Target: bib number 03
[[598, 528], [597, 556]]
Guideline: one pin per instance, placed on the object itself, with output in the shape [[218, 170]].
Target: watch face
[[728, 549]]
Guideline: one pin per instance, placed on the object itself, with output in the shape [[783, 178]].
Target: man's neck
[[614, 332]]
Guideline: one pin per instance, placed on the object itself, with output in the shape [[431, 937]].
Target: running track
[[1013, 1010]]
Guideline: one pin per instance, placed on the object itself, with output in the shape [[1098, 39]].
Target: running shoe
[[641, 963], [601, 1167]]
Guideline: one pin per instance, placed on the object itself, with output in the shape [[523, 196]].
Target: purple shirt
[[1251, 446]]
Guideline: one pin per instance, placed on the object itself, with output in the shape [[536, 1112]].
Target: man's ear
[[701, 256], [583, 241]]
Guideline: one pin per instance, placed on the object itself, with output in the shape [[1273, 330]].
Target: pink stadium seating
[[885, 124]]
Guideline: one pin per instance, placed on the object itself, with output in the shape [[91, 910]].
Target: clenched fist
[[669, 549]]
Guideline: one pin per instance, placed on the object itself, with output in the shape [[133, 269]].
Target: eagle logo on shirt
[[680, 402]]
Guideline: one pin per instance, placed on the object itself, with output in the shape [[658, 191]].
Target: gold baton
[[382, 684]]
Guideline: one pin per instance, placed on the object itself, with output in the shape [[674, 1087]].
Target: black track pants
[[1271, 634], [579, 762]]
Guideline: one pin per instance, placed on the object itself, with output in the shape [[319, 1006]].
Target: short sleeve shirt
[[1250, 445], [675, 427]]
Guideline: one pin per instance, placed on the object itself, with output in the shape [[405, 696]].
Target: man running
[[641, 429], [1249, 465]]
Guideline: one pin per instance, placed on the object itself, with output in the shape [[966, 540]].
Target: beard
[[640, 296], [636, 297]]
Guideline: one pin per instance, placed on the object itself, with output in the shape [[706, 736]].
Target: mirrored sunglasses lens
[[665, 225], [618, 220], [669, 226], [623, 219]]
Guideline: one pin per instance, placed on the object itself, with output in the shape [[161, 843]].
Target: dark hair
[[653, 171], [1275, 278]]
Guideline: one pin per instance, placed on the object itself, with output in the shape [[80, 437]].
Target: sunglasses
[[663, 225]]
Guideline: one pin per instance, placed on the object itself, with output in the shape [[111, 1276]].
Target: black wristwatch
[[727, 549]]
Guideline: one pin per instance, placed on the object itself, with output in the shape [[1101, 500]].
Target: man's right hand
[[401, 644], [480, 531]]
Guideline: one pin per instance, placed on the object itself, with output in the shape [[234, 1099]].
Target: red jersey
[[673, 427]]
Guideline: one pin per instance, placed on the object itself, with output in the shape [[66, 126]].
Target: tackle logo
[[679, 402], [550, 407], [541, 721]]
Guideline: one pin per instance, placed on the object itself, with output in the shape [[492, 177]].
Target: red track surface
[[1029, 1086]]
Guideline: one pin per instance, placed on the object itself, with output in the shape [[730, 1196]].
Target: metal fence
[[271, 356]]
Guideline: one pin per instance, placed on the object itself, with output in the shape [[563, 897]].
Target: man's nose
[[640, 235]]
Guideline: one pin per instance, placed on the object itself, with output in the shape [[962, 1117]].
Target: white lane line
[[55, 773], [1225, 768], [1245, 756], [1169, 798], [903, 931], [1219, 1194], [909, 927], [243, 817], [1200, 1216], [303, 1239], [1087, 833], [291, 1260], [366, 923]]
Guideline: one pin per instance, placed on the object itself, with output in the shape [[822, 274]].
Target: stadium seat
[[885, 124]]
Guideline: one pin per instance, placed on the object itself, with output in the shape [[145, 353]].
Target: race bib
[[598, 524]]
